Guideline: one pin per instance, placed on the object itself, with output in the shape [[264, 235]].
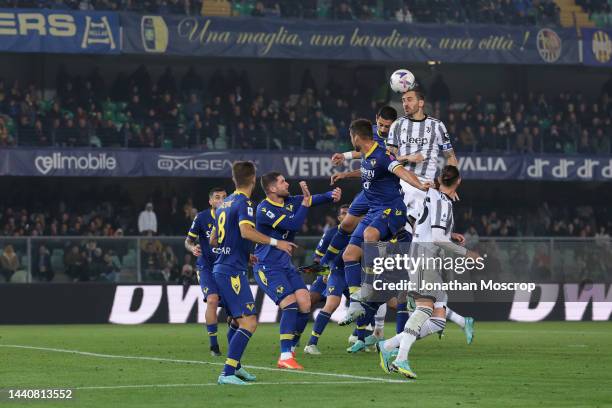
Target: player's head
[[243, 174], [216, 196], [275, 183], [384, 118], [361, 132], [413, 101], [449, 177], [343, 212]]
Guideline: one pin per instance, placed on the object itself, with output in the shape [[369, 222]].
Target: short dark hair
[[361, 128], [242, 172], [214, 190], [420, 92], [343, 206], [387, 113], [449, 175], [269, 178]]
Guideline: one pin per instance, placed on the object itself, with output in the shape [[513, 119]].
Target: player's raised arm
[[339, 158], [409, 177], [247, 231], [191, 243]]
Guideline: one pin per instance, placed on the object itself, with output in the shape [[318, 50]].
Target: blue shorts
[[318, 286], [207, 282], [387, 220], [235, 291], [336, 284], [278, 282], [359, 206]]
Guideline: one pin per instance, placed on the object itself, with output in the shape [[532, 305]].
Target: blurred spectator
[[9, 262], [41, 265], [147, 221]]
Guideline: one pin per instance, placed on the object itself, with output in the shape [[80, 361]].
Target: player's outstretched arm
[[346, 174], [410, 178], [339, 158], [213, 238], [248, 231]]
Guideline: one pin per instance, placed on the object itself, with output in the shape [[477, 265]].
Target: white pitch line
[[171, 360], [113, 387]]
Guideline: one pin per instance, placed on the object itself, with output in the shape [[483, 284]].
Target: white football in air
[[402, 81]]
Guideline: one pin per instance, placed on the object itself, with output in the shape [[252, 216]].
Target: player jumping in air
[[232, 236], [281, 216], [435, 227], [197, 243]]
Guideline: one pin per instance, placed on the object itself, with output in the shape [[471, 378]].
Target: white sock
[[433, 325], [455, 317], [379, 318], [393, 342], [286, 355], [412, 330]]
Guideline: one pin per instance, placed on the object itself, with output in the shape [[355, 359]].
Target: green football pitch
[[508, 365]]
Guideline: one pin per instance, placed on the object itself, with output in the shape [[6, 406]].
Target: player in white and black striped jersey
[[416, 133]]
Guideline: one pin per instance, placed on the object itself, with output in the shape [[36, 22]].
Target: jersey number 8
[[221, 227]]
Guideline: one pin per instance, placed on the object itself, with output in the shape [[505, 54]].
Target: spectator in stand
[[147, 221], [41, 265], [9, 262], [74, 262]]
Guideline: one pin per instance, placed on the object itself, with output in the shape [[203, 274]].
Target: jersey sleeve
[[389, 161], [246, 213], [394, 133], [443, 138], [275, 218], [195, 229]]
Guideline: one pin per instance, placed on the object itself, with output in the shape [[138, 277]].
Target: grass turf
[[509, 365]]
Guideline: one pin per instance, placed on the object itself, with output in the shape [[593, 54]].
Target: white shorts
[[414, 199]]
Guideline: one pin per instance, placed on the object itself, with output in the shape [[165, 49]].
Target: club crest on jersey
[[250, 211], [235, 282], [205, 290], [330, 289], [280, 290], [289, 207], [262, 277], [270, 214], [398, 212], [250, 306], [373, 162]]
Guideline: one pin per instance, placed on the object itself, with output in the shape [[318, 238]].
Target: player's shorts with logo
[[206, 279], [359, 206], [388, 220], [431, 276], [318, 286], [336, 283], [278, 282], [234, 289]]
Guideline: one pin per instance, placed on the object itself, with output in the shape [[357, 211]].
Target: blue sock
[[212, 334], [236, 348], [352, 274], [319, 325], [401, 318], [300, 326], [231, 330], [363, 321], [336, 246], [287, 327]]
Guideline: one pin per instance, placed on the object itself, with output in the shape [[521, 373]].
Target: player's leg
[[352, 275], [211, 297], [411, 332], [359, 207], [302, 296], [466, 323], [241, 306], [436, 323], [362, 322], [275, 285], [402, 312], [336, 286]]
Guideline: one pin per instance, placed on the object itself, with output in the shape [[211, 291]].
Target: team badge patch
[[280, 290], [250, 306], [235, 281], [262, 277]]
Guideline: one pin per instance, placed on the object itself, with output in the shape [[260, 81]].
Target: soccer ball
[[402, 81]]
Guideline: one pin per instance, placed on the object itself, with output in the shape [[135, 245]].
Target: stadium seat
[[216, 8]]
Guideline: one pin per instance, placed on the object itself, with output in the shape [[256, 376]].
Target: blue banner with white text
[[340, 40], [59, 31], [306, 165]]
